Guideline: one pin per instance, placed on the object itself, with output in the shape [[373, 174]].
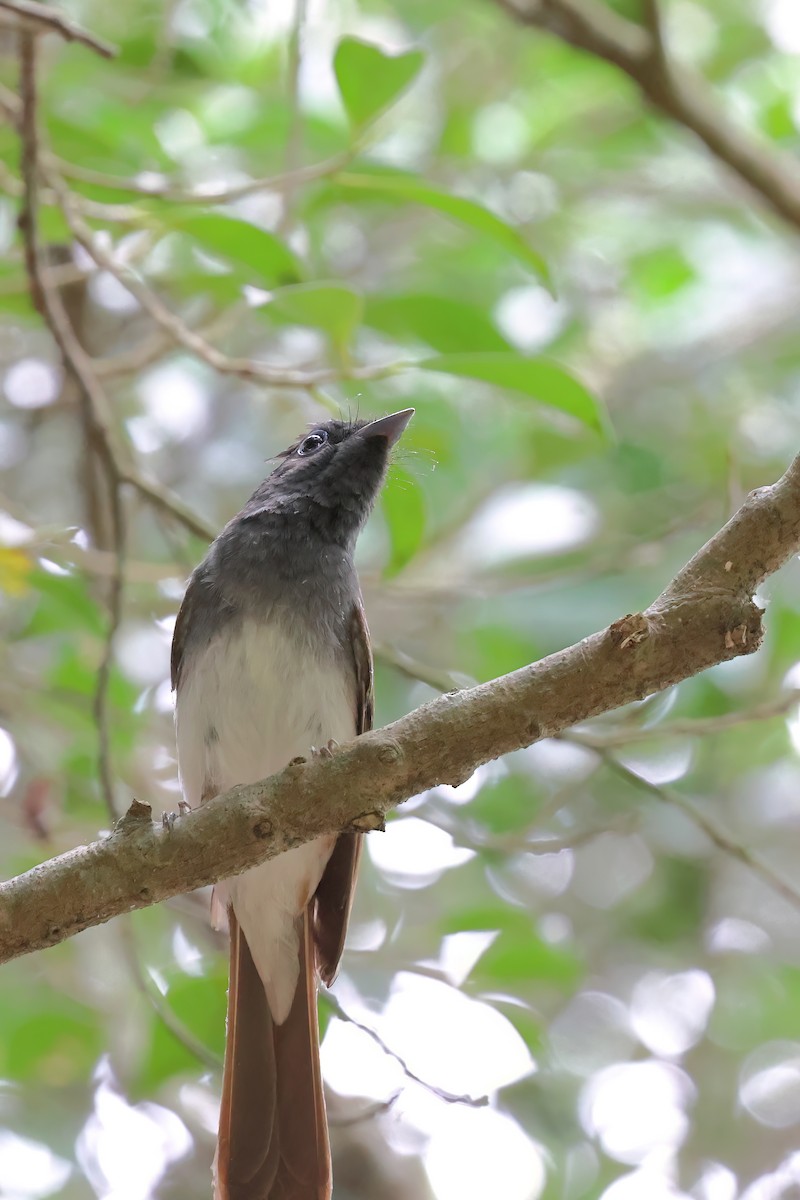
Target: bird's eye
[[313, 442]]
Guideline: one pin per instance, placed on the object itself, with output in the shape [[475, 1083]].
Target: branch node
[[746, 636], [534, 731], [137, 815], [629, 630], [389, 754], [367, 822], [686, 632], [263, 829], [735, 638]]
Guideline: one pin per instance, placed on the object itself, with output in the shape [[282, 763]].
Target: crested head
[[329, 479]]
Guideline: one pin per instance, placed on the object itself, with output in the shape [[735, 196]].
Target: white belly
[[248, 704]]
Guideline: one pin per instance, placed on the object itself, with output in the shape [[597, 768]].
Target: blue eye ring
[[312, 443]]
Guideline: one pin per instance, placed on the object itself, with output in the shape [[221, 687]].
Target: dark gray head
[[329, 479], [288, 554]]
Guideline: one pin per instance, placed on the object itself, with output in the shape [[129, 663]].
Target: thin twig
[[438, 678], [49, 303], [722, 840], [168, 190], [116, 592], [676, 90], [56, 277], [47, 300], [45, 297], [111, 213], [130, 362], [512, 843], [33, 18], [449, 1097], [295, 131], [244, 368], [161, 60], [651, 12], [160, 1005], [210, 196], [690, 727], [275, 184], [378, 1109], [165, 501], [159, 343]]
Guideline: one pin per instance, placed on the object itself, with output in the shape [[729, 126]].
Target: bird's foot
[[326, 751], [168, 819]]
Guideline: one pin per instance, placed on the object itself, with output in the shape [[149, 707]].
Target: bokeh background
[[557, 984]]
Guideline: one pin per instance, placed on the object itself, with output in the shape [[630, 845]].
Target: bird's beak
[[390, 427]]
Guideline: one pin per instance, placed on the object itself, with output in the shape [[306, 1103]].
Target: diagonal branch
[[50, 304], [179, 332], [30, 17], [707, 825], [706, 615], [48, 301], [677, 91]]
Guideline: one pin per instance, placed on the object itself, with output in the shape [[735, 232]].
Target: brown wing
[[179, 635], [334, 896]]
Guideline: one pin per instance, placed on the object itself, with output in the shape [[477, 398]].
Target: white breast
[[247, 704]]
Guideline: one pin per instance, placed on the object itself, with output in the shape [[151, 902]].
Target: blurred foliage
[[598, 326]]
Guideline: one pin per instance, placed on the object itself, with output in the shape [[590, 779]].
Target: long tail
[[273, 1133]]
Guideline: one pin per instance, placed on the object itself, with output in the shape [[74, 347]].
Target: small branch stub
[[629, 630], [369, 822], [736, 638], [704, 616], [138, 814]]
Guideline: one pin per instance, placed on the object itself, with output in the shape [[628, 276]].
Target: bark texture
[[706, 615]]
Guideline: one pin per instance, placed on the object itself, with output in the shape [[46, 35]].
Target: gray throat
[[270, 568]]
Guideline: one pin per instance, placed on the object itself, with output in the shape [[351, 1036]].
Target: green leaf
[[267, 261], [517, 955], [64, 605], [506, 806], [72, 673], [534, 377], [403, 505], [483, 917], [495, 648], [660, 273], [445, 324], [47, 1035], [324, 1013], [524, 1021], [518, 958], [199, 1003], [370, 80], [332, 307], [410, 188]]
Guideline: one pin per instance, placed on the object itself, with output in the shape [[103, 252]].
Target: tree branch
[[176, 328], [706, 615], [736, 850], [48, 301], [675, 90], [32, 17]]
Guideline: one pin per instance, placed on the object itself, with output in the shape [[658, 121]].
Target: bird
[[271, 657]]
